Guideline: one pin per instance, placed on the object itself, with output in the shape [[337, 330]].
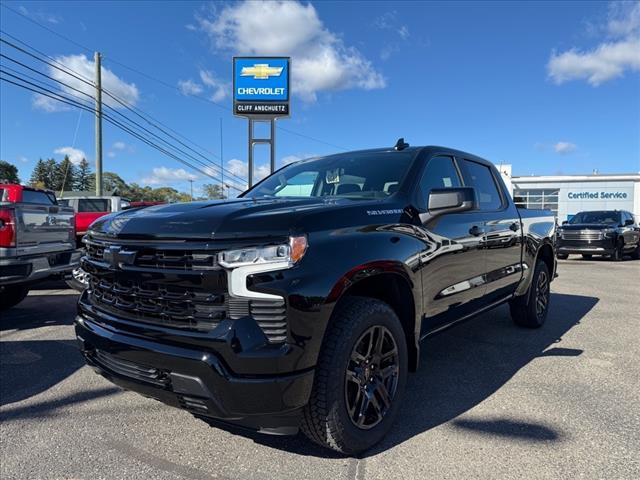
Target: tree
[[8, 172], [51, 167], [112, 181], [85, 180], [40, 175], [212, 192], [64, 175]]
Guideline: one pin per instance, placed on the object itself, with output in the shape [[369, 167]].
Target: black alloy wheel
[[542, 294], [371, 377]]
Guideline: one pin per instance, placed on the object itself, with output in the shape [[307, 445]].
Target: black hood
[[228, 219]]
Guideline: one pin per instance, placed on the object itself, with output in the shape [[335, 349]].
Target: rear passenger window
[[480, 176], [36, 197], [439, 173], [94, 205]]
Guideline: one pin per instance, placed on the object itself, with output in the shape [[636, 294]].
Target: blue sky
[[549, 87]]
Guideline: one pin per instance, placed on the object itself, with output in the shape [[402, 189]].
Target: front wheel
[[636, 252], [360, 377], [587, 256], [618, 252], [562, 256], [12, 295], [530, 310]]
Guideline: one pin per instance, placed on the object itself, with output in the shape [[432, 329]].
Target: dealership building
[[566, 195]]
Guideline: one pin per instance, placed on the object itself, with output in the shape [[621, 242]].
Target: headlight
[[289, 253], [609, 232]]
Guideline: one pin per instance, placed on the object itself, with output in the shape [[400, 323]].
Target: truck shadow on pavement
[[31, 367], [40, 309], [462, 367]]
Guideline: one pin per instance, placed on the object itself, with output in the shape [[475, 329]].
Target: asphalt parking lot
[[490, 401]]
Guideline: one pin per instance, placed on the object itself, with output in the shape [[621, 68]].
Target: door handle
[[476, 231], [515, 226]]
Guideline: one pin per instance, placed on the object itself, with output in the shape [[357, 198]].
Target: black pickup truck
[[301, 304], [610, 233]]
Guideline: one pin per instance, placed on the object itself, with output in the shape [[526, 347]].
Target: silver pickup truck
[[37, 240]]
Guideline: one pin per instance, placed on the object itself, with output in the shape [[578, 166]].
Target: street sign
[[261, 87]]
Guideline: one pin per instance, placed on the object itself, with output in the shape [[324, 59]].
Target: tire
[[530, 310], [617, 254], [636, 252], [77, 280], [562, 256], [12, 295], [587, 256], [327, 419]]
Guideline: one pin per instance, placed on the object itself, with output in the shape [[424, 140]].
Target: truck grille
[[171, 306], [153, 289], [161, 258], [582, 235]]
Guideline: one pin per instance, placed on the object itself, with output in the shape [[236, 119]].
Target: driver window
[[300, 185], [439, 173]]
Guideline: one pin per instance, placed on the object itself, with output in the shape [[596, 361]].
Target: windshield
[[366, 175], [596, 217]]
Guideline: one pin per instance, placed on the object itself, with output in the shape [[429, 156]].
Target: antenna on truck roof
[[400, 144]]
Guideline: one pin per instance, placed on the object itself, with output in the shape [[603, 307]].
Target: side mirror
[[628, 222], [566, 222], [452, 200]]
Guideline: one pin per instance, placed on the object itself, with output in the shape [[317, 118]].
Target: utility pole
[[221, 163], [97, 60], [191, 182]]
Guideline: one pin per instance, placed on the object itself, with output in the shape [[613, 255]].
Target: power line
[[162, 82], [142, 114], [66, 100]]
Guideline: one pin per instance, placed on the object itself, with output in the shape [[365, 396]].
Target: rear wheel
[[562, 256], [587, 256], [12, 295], [360, 377], [530, 310]]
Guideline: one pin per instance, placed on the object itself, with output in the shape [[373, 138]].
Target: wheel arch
[[391, 286]]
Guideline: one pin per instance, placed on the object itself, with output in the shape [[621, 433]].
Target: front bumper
[[197, 378], [591, 247], [33, 268]]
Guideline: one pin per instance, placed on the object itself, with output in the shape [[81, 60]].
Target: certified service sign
[[261, 86]]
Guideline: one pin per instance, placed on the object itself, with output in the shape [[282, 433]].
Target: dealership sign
[[597, 195], [261, 86]]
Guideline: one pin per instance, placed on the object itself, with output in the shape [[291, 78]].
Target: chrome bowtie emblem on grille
[[115, 256]]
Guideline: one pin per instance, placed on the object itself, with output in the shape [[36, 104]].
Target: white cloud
[[320, 59], [564, 148], [623, 18], [118, 147], [219, 89], [295, 158], [23, 159], [40, 15], [165, 176], [75, 154], [85, 68], [189, 87], [608, 60]]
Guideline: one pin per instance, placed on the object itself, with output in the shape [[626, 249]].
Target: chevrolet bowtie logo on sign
[[261, 71], [261, 86]]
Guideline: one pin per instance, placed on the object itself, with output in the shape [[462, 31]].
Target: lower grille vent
[[271, 315], [193, 404], [130, 369]]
